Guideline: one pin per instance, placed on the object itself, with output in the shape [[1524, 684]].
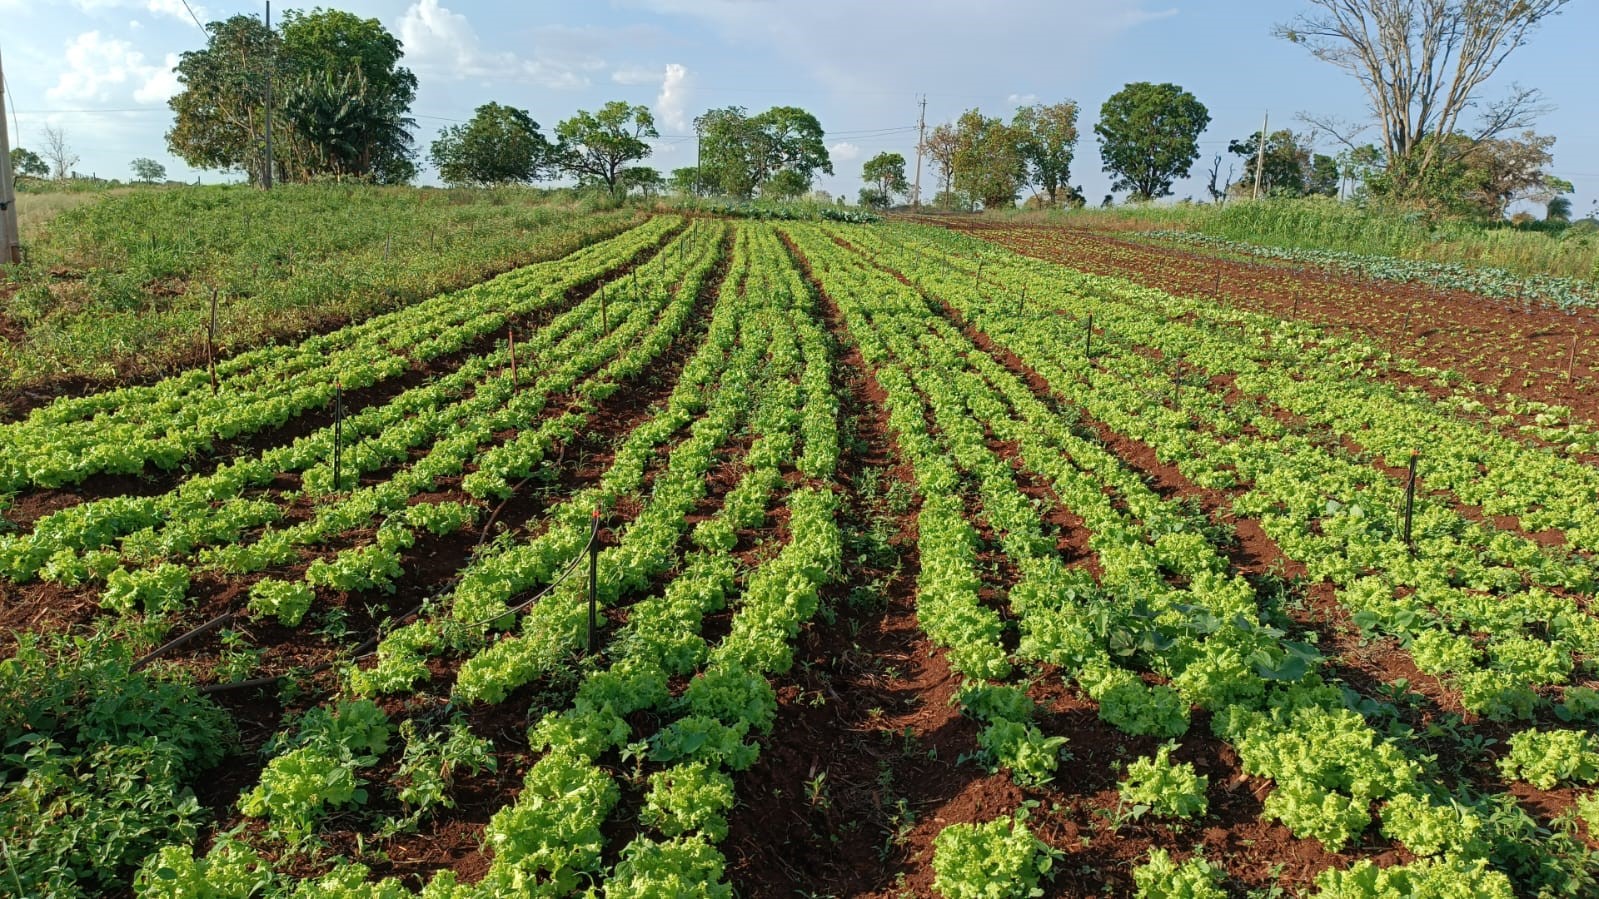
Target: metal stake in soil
[[338, 429], [1410, 500], [211, 343], [594, 583]]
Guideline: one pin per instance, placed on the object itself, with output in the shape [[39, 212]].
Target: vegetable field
[[742, 558]]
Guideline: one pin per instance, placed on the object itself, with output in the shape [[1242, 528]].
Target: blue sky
[[100, 69]]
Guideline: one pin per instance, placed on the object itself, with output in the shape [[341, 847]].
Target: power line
[[193, 16]]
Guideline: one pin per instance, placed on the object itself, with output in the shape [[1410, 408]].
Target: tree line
[[337, 98]]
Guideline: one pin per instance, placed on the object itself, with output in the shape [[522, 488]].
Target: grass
[[1571, 252], [116, 285]]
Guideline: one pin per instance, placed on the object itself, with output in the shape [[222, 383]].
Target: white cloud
[[443, 43], [671, 104], [632, 75], [99, 68], [844, 151], [1022, 99]]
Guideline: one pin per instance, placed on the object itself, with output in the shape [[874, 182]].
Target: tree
[[775, 154], [1217, 185], [686, 180], [988, 160], [1290, 166], [346, 98], [28, 164], [148, 170], [1422, 64], [58, 152], [643, 180], [941, 145], [885, 173], [220, 115], [1558, 208], [1048, 135], [499, 145], [597, 146], [340, 100], [1149, 137]]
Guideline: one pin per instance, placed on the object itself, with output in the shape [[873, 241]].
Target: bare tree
[[56, 151], [1422, 63], [941, 145], [1218, 191]]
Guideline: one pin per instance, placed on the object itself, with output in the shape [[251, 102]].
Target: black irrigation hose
[[211, 625]]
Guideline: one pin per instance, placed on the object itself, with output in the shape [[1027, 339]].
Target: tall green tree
[[1048, 136], [1149, 137], [989, 163], [347, 97], [148, 170], [28, 164], [597, 146], [885, 177], [340, 100], [220, 115], [775, 154], [500, 145]]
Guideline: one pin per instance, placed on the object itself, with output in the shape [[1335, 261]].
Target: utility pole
[[1260, 160], [10, 236], [921, 138], [272, 65]]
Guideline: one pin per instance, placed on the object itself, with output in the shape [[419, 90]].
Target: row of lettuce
[[1165, 607]]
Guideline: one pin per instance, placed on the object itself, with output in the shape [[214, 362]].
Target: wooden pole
[[604, 325], [1410, 499], [10, 233], [1571, 359], [1260, 160], [510, 336], [594, 582]]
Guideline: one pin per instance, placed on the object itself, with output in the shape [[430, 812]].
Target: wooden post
[[10, 235], [211, 343], [594, 583], [604, 325], [1571, 359], [1088, 339], [510, 337]]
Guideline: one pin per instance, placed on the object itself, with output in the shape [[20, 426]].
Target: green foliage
[[685, 866], [1544, 758], [775, 154], [1429, 828], [1166, 788], [27, 164], [96, 763], [319, 769], [432, 762], [148, 170], [597, 146], [499, 145], [1291, 169], [230, 870], [1048, 141], [886, 173], [989, 164], [340, 104], [1162, 878], [687, 798], [1149, 137], [1135, 707], [284, 600], [150, 590], [999, 859], [284, 262], [1449, 878]]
